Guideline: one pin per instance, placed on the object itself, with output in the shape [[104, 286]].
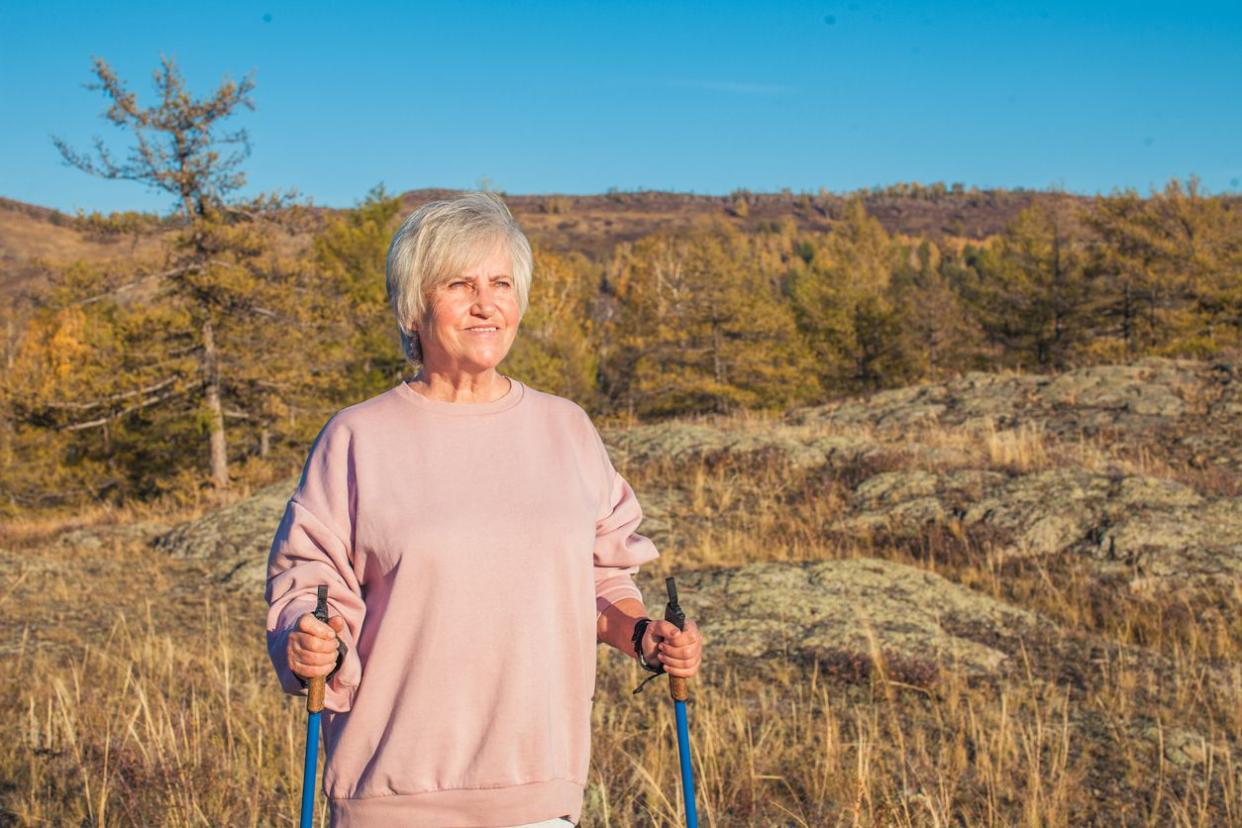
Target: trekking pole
[[314, 704], [678, 688]]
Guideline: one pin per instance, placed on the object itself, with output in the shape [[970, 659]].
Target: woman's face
[[474, 317]]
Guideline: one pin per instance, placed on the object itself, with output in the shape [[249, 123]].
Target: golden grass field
[[138, 695]]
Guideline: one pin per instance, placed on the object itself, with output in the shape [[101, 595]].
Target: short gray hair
[[438, 241]]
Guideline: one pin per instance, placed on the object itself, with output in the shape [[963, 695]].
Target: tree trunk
[[717, 366], [1127, 319], [265, 441], [211, 366]]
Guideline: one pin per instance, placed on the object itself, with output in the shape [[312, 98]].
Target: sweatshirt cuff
[[613, 589]]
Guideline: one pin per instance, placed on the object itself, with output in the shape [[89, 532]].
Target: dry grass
[[137, 696]]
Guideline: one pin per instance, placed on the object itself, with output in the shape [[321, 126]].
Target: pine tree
[[844, 306], [1033, 288], [237, 309], [703, 328], [555, 349], [349, 256], [938, 334]]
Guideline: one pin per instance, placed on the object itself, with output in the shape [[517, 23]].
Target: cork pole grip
[[315, 686], [314, 694], [678, 686]]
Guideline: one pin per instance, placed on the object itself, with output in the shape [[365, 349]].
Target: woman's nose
[[484, 302]]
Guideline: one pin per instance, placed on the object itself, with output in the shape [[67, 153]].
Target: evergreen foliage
[[703, 329]]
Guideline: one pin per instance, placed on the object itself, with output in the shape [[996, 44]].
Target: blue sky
[[567, 97]]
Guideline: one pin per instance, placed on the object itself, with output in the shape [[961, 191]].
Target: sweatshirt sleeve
[[313, 546], [619, 549]]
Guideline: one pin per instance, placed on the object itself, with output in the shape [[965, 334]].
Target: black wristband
[[637, 640]]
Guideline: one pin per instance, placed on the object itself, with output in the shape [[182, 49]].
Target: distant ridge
[[33, 236]]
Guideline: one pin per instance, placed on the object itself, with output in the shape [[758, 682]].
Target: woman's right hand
[[312, 649]]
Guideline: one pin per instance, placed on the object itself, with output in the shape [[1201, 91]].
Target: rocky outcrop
[[677, 442], [928, 458], [1192, 410], [1146, 531], [848, 614], [102, 537], [234, 541]]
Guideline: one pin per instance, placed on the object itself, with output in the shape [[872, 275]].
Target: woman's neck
[[461, 388]]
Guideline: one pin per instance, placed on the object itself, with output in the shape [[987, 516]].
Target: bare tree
[[177, 150]]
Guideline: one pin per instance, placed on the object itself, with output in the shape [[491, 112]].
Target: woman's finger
[[677, 659], [313, 643], [667, 629], [681, 638], [682, 651], [681, 663], [316, 656], [312, 670], [310, 663], [311, 625], [682, 671]]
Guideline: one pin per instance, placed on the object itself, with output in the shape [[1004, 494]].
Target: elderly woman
[[467, 526]]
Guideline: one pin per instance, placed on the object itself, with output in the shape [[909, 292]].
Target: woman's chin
[[477, 363]]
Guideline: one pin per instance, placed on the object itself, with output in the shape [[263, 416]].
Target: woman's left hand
[[681, 651]]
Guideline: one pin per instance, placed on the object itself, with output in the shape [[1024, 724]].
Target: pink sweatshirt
[[471, 549]]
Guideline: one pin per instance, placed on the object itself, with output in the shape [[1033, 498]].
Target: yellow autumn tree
[[939, 336], [703, 328], [1034, 288], [348, 256], [555, 349], [840, 295], [1198, 239], [1144, 300]]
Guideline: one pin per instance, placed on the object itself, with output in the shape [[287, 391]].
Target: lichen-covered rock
[[1179, 546], [1146, 531], [686, 442], [843, 613], [1189, 408], [1183, 747], [100, 537], [1041, 513], [235, 539]]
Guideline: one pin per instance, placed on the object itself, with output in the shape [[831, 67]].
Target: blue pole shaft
[[308, 772], [687, 771], [315, 689]]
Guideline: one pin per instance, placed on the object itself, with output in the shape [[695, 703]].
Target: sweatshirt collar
[[453, 409]]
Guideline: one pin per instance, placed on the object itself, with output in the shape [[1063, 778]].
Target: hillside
[[30, 234], [1001, 599]]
